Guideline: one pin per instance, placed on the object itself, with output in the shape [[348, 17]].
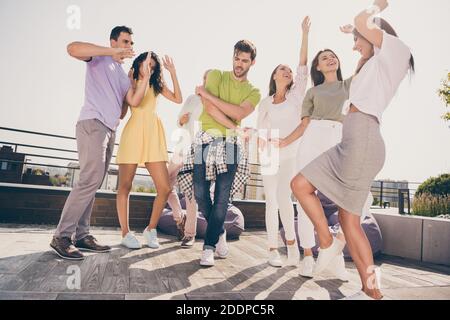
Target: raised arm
[[175, 95], [85, 51], [137, 91], [306, 24], [298, 90], [365, 26]]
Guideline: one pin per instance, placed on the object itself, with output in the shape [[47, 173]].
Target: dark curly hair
[[156, 81]]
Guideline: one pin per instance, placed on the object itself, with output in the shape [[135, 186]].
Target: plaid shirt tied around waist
[[216, 163]]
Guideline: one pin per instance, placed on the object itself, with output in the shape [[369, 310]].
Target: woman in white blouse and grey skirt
[[345, 173], [278, 115]]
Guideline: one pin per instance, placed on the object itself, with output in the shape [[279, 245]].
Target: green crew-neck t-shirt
[[225, 87]]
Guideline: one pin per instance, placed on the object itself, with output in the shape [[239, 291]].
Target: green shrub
[[376, 202], [438, 186], [429, 205]]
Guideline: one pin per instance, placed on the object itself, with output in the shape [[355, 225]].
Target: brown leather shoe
[[65, 248], [89, 243]]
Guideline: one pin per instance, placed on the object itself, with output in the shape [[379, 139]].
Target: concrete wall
[[419, 238], [436, 241]]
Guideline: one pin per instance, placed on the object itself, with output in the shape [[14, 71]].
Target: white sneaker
[[275, 259], [337, 267], [307, 267], [293, 255], [152, 238], [327, 255], [130, 241], [207, 259], [222, 246]]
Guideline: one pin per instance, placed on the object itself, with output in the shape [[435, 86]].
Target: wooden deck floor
[[28, 270]]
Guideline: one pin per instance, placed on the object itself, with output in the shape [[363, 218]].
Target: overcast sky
[[43, 88]]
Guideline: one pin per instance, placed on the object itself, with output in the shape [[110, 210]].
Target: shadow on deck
[[28, 270]]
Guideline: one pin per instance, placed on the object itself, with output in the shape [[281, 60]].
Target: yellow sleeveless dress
[[143, 138]]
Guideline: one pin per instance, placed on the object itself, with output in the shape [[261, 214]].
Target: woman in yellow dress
[[143, 144]]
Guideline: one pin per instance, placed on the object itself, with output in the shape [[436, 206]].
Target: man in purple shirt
[[106, 87]]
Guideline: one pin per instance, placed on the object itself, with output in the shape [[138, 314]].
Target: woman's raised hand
[[306, 24], [147, 69], [347, 29], [168, 64], [382, 4]]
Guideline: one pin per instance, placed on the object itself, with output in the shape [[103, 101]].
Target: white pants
[[278, 192], [320, 136]]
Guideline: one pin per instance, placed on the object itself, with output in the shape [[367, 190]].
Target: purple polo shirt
[[105, 89]]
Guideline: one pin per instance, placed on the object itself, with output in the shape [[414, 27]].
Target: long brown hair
[[385, 26], [273, 85], [317, 76]]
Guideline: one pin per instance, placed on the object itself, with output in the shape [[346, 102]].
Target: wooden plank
[[10, 282], [15, 264], [13, 295], [214, 296], [90, 296], [145, 281], [435, 293], [36, 272], [117, 277]]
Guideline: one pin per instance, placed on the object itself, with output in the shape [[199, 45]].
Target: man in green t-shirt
[[228, 97]]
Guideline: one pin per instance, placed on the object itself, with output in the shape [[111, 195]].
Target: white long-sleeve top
[[285, 116], [194, 106]]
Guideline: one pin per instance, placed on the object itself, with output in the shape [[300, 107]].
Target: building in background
[[385, 192], [11, 165]]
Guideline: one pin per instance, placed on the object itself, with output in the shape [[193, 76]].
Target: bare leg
[[304, 191], [126, 175], [360, 251], [160, 176]]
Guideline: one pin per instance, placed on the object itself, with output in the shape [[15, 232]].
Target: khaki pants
[[95, 144]]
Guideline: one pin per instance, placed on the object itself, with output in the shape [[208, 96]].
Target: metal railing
[[385, 194]]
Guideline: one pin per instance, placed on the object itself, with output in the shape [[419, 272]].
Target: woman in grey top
[[320, 129]]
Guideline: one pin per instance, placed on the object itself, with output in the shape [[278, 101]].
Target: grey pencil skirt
[[344, 173]]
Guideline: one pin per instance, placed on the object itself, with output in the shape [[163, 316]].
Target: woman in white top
[[345, 173], [278, 116]]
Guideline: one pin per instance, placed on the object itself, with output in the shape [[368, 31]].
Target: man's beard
[[243, 73]]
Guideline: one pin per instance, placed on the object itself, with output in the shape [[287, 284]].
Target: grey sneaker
[[187, 242]]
